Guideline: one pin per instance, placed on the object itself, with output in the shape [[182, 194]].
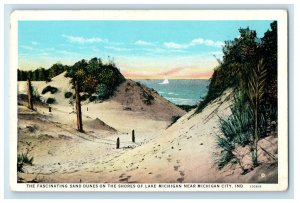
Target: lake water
[[188, 92]]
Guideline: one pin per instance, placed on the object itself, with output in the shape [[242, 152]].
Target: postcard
[[148, 100]]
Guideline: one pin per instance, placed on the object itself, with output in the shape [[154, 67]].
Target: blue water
[[188, 92]]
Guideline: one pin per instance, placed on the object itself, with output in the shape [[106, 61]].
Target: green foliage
[[50, 100], [42, 74], [173, 120], [22, 160], [84, 97], [92, 98], [147, 98], [95, 77], [68, 95], [240, 56], [254, 82], [102, 91], [35, 94], [187, 108], [49, 88]]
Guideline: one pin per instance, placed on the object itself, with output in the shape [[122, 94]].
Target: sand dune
[[183, 152]]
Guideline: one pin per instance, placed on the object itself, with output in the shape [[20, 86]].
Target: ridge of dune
[[182, 152], [144, 106]]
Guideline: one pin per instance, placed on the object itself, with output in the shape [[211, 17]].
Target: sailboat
[[166, 81]]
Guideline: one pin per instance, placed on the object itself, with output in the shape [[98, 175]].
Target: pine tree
[[29, 94]]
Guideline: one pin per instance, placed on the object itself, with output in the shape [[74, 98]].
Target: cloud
[[194, 42], [143, 43], [34, 43], [64, 52], [27, 47], [117, 48], [82, 40], [175, 45]]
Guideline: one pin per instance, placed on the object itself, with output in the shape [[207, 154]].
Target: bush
[[187, 108], [35, 94], [68, 95], [49, 89], [173, 120], [103, 91], [84, 97], [94, 77], [147, 98], [50, 100], [46, 89], [22, 160], [53, 90], [237, 130], [92, 98]]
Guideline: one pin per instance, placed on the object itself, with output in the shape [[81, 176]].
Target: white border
[[279, 15]]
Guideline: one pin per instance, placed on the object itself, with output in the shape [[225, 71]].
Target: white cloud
[[64, 52], [34, 43], [143, 43], [194, 42], [174, 45], [27, 47], [82, 40], [117, 48]]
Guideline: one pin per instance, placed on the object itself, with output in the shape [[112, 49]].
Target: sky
[[140, 49]]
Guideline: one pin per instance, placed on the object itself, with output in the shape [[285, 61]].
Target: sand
[[183, 152]]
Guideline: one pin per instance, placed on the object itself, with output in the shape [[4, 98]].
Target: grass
[[22, 160], [187, 108], [173, 120]]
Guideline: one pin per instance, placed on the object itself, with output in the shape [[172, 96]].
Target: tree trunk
[[29, 94], [118, 143], [78, 108], [133, 136]]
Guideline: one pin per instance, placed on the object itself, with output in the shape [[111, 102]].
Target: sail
[[166, 81]]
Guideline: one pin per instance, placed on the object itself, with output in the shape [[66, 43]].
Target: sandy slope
[[182, 153], [124, 111]]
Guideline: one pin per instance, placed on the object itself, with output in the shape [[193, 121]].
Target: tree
[[248, 65], [78, 107], [77, 75], [269, 51], [29, 94], [29, 75], [35, 75], [42, 74]]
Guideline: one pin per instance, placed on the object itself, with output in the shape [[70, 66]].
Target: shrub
[[84, 97], [53, 90], [50, 100], [35, 94], [103, 91], [49, 89], [68, 95], [46, 89], [92, 98], [148, 98], [22, 160], [237, 130], [173, 120], [187, 108]]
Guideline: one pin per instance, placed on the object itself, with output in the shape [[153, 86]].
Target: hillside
[[163, 158], [145, 108]]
